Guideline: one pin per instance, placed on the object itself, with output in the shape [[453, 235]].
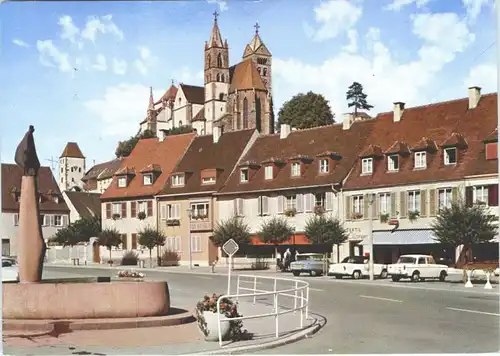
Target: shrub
[[130, 258], [170, 258]]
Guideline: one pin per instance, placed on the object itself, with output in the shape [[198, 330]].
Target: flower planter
[[211, 326]]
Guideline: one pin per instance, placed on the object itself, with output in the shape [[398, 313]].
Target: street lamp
[[190, 214], [371, 199]]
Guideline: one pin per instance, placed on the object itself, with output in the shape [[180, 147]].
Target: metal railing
[[299, 293]]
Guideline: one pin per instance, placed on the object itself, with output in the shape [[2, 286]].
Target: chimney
[[162, 135], [217, 133], [285, 130], [399, 107], [474, 96], [347, 121]]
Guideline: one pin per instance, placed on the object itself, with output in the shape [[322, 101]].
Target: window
[[264, 72], [245, 113], [323, 166], [147, 179], [208, 180], [295, 169], [450, 156], [385, 203], [263, 205], [173, 243], [116, 208], [173, 211], [178, 180], [122, 182], [16, 219], [268, 171], [291, 202], [45, 219], [199, 210], [320, 199], [367, 166], [142, 207], [55, 199], [219, 61], [195, 243], [420, 160], [58, 220], [414, 201], [244, 175], [357, 206], [480, 194], [393, 163], [444, 198]]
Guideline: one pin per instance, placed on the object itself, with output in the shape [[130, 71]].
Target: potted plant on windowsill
[[319, 210], [207, 319], [413, 215], [356, 216], [141, 215], [115, 216], [384, 218], [173, 222], [290, 212]]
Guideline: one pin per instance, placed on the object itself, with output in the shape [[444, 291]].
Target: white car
[[10, 270], [417, 268], [357, 267]]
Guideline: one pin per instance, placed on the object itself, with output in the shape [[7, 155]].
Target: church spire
[[151, 105], [215, 36]]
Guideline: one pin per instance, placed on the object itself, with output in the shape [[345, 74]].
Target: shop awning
[[402, 237]]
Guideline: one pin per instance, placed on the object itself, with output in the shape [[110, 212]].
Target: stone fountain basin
[[85, 298]]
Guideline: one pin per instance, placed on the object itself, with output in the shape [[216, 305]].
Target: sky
[[81, 71]]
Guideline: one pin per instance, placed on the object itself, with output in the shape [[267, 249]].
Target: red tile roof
[[169, 94], [103, 170], [47, 186], [147, 152], [244, 75], [72, 150], [309, 143], [426, 127]]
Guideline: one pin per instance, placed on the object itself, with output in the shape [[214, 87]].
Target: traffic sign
[[230, 247]]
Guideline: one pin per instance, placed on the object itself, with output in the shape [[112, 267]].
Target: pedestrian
[[288, 256], [296, 254]]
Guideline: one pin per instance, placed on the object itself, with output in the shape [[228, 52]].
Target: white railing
[[299, 292]]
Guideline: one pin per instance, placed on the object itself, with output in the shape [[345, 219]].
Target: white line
[[203, 277], [379, 298], [473, 311], [316, 289]]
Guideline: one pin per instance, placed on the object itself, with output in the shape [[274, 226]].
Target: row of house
[[401, 165]]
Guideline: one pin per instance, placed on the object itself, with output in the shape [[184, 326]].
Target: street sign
[[230, 247]]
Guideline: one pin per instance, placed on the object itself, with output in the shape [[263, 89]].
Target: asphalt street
[[362, 316]]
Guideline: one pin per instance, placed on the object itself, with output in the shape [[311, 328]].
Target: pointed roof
[[492, 137], [169, 94], [455, 140], [72, 150], [371, 151], [151, 105], [256, 44], [215, 36], [244, 75]]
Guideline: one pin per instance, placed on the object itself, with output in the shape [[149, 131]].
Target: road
[[364, 316]]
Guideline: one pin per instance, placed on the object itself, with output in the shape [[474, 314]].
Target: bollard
[[276, 317], [295, 298], [488, 283], [468, 284]]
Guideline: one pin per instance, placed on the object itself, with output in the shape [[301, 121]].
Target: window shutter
[[454, 194], [65, 220], [403, 204], [393, 205], [265, 205], [16, 219], [280, 204], [124, 210], [493, 195], [178, 246], [376, 207], [259, 206], [423, 203], [240, 207], [52, 220], [133, 209], [177, 211], [469, 196], [366, 207], [108, 210], [150, 208], [308, 202], [348, 210], [329, 201], [124, 241], [134, 241], [432, 202], [46, 220], [163, 212], [300, 203]]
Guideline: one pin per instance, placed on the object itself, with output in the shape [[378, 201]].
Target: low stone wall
[[85, 300]]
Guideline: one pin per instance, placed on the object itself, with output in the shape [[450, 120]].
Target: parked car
[[417, 268], [312, 263], [10, 270], [356, 267]]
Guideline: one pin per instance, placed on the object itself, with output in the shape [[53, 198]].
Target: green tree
[[66, 236], [124, 148], [464, 225], [179, 130], [232, 228], [151, 238], [110, 238], [357, 98], [275, 231], [87, 227], [326, 230], [305, 111]]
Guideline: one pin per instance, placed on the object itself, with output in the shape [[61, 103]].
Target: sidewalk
[[170, 340]]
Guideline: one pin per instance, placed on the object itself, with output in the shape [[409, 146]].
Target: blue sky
[[81, 71]]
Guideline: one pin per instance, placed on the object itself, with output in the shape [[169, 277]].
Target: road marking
[[380, 298], [316, 289], [472, 311]]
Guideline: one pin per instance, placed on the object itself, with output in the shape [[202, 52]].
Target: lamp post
[[190, 214], [370, 234]]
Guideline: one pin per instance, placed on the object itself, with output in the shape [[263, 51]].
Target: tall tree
[[326, 230], [110, 238], [232, 228], [151, 238], [464, 225], [124, 148], [305, 111], [357, 98], [79, 231], [275, 231]]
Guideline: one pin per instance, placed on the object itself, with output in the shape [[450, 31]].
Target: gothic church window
[[264, 72], [208, 60], [217, 77], [245, 113], [219, 61], [221, 97], [258, 69]]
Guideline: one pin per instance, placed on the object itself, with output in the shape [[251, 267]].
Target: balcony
[[200, 225]]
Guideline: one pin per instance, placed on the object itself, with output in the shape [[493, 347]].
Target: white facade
[[102, 185], [71, 172]]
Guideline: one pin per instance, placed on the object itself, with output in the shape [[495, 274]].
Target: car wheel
[[395, 278], [442, 276], [383, 275], [296, 274], [356, 275], [313, 273], [415, 277]]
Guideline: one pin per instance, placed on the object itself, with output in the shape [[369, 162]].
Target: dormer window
[[268, 172], [295, 169], [450, 156], [208, 180], [147, 179], [367, 166], [244, 175], [178, 180], [323, 166], [421, 160], [393, 163], [122, 182], [55, 199]]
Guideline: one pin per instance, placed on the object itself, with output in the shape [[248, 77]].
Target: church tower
[[216, 76], [71, 167], [257, 51]]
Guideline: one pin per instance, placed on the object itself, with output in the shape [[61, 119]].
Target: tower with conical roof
[[216, 76], [262, 57], [71, 167]]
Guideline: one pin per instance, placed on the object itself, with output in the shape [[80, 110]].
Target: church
[[233, 97]]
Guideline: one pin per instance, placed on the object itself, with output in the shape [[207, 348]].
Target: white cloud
[[69, 30], [100, 63], [474, 7], [397, 5], [50, 56], [119, 66], [484, 76], [334, 17], [187, 76], [146, 60], [352, 46], [20, 43], [222, 4], [121, 109], [103, 25]]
